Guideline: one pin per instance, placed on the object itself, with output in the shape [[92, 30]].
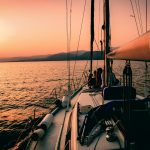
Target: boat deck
[[52, 135], [90, 98], [55, 138], [52, 138]]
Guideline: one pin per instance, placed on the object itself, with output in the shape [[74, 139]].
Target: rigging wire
[[68, 34], [101, 42], [67, 24], [146, 66], [83, 13], [98, 31], [69, 69], [135, 17], [140, 16], [19, 138], [146, 15], [99, 21], [140, 20], [83, 72], [97, 51], [70, 23]]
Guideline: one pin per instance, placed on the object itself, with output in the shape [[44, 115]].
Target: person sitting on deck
[[99, 78], [92, 80]]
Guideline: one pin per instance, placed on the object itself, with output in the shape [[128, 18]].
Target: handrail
[[55, 94]]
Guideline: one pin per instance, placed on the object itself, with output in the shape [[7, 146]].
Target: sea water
[[25, 87]]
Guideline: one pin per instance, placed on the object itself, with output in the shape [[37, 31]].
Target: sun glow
[[6, 31], [38, 27]]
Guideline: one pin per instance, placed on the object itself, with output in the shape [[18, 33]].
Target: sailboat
[[113, 117]]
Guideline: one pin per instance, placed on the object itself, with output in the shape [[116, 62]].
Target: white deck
[[94, 99], [50, 140], [56, 135], [90, 98]]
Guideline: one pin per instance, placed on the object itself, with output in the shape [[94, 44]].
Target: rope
[[146, 15], [135, 17], [79, 38], [83, 72], [146, 66], [97, 51], [70, 22], [67, 25], [68, 34], [141, 24], [99, 21], [69, 45], [21, 133], [138, 15], [98, 32]]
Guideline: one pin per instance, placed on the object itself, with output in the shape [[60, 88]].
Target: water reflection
[[27, 85]]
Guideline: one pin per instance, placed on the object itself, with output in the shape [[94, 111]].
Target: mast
[[106, 41], [92, 35]]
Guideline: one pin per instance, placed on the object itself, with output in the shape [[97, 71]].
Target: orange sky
[[37, 27]]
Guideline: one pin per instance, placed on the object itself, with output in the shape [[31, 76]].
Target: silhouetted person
[[92, 80], [99, 77]]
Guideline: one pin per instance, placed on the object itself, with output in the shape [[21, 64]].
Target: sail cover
[[138, 49]]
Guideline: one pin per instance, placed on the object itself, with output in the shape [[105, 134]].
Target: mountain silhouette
[[81, 55]]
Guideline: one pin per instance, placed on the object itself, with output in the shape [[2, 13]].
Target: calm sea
[[25, 86]]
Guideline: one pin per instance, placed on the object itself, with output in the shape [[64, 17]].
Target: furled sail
[[138, 49]]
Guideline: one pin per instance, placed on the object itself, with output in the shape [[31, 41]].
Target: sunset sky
[[38, 27]]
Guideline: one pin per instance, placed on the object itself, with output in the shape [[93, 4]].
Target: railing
[[13, 131]]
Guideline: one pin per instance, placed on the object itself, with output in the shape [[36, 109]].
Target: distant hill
[[82, 55]]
